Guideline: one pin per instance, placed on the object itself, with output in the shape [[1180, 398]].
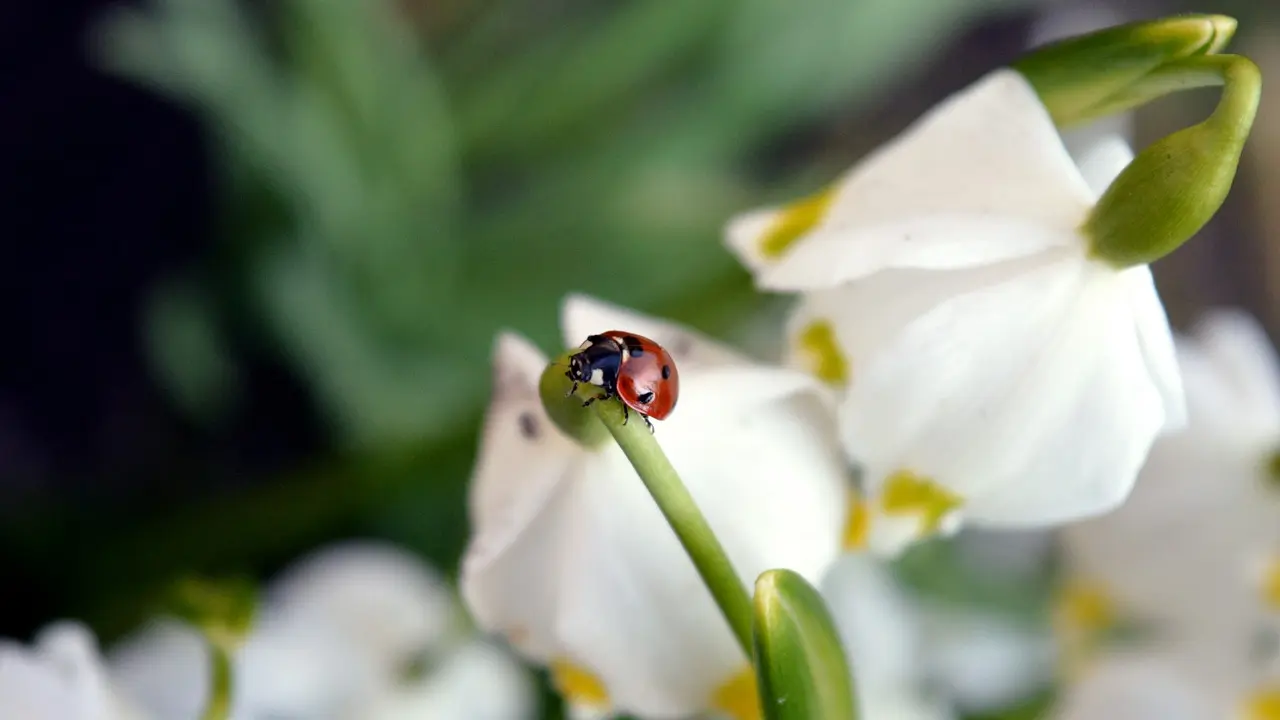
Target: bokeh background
[[255, 252]]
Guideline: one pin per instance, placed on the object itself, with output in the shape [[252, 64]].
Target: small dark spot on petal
[[666, 372], [528, 426]]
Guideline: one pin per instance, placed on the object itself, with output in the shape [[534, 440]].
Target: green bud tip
[[1089, 76], [222, 610], [801, 666], [565, 406]]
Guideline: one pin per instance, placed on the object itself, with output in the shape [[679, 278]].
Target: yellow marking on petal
[[817, 345], [1271, 585], [857, 526], [738, 697], [793, 221], [1263, 704], [1087, 607], [906, 493], [1273, 469], [579, 685], [1083, 612]]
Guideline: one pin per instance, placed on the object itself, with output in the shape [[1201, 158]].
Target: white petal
[[985, 662], [934, 242], [770, 481], [477, 682], [1038, 377], [989, 158], [742, 236], [523, 459], [164, 668], [305, 670], [1134, 687], [1101, 155], [582, 315], [877, 621], [381, 599], [1239, 348], [1156, 340]]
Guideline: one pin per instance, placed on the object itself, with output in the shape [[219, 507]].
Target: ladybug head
[[579, 368]]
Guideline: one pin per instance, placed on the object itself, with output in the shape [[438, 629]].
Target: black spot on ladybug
[[633, 345], [528, 426], [645, 398], [666, 372]]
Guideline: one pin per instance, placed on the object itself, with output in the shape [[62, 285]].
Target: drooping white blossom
[[573, 563], [1193, 554], [60, 676], [358, 630], [993, 371]]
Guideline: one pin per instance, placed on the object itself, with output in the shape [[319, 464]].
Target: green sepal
[[1089, 76], [801, 668], [1174, 186], [565, 409]]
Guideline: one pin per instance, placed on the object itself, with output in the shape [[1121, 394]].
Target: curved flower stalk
[[992, 369], [359, 629], [1192, 553], [61, 676], [573, 563]]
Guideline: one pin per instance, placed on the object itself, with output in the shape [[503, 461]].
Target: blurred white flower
[[994, 371], [1164, 684], [983, 662], [879, 626], [59, 677], [1189, 551], [572, 561], [337, 638]]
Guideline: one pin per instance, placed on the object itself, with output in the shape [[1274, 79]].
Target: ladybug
[[635, 369]]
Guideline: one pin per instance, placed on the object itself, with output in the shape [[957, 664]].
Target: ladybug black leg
[[626, 414], [573, 389], [647, 423], [591, 400]]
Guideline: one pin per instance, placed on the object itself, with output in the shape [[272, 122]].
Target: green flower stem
[[219, 705], [1172, 188], [677, 505]]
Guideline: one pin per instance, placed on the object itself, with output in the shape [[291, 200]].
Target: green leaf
[[801, 667]]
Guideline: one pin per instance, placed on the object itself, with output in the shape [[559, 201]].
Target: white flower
[[879, 626], [1168, 683], [984, 662], [60, 677], [572, 561], [336, 639], [993, 370], [1189, 552]]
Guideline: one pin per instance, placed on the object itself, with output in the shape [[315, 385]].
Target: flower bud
[[800, 663], [1089, 76], [1173, 187], [223, 611]]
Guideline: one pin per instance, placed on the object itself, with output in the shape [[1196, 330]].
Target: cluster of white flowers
[[360, 630], [958, 355]]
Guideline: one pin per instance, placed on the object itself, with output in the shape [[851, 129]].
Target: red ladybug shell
[[646, 368]]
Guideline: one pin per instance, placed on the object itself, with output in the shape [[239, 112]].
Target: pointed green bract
[[801, 668], [1173, 187], [1089, 76]]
